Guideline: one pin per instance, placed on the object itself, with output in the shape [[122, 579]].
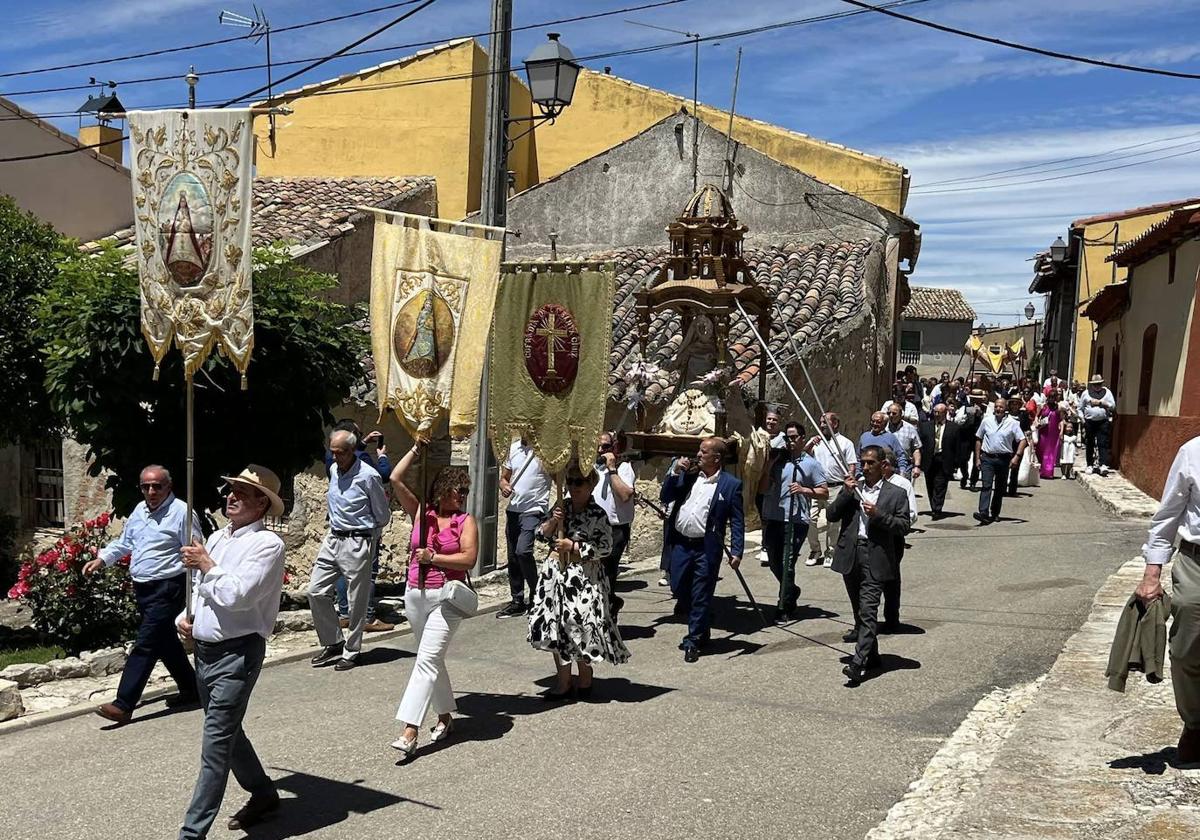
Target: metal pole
[[191, 460], [696, 119], [493, 211], [270, 93], [737, 72]]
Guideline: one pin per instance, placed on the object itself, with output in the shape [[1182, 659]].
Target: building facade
[[1147, 346], [934, 327]]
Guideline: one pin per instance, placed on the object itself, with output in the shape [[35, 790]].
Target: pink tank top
[[445, 541]]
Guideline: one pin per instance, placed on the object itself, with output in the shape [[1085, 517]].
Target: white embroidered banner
[[192, 182], [432, 296]]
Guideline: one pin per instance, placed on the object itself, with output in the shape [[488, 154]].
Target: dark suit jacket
[[883, 530], [950, 442], [724, 514]]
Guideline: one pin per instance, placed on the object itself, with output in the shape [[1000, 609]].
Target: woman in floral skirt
[[570, 615]]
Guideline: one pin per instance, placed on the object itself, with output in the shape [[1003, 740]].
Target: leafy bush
[[8, 554], [80, 612]]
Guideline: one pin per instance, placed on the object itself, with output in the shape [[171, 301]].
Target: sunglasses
[[462, 491], [578, 482], [151, 485]]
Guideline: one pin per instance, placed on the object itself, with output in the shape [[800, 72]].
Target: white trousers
[[819, 525], [429, 683]]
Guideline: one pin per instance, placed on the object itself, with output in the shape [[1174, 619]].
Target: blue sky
[[943, 106]]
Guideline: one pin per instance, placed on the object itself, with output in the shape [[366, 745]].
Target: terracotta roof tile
[[928, 304]]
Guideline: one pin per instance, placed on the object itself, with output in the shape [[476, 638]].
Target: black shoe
[[183, 700], [850, 636], [328, 654], [513, 608], [691, 654], [856, 674], [981, 519], [785, 615], [889, 627], [346, 663], [255, 811]]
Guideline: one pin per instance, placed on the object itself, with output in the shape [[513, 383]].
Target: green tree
[[307, 358], [29, 251]]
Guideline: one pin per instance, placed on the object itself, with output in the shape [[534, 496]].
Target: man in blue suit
[[706, 502]]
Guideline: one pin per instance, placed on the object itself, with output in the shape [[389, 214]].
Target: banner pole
[[190, 426], [423, 531]]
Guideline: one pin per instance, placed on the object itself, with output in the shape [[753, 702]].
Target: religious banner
[[550, 359], [432, 295], [192, 181]]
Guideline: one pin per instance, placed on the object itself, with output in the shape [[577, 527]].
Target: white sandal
[[441, 731], [406, 746]]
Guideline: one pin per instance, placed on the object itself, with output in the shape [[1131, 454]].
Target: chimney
[[112, 148]]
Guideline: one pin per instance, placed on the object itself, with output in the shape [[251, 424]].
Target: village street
[[758, 739]]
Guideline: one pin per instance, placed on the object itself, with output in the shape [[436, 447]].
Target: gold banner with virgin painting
[[550, 358], [192, 182], [432, 295]]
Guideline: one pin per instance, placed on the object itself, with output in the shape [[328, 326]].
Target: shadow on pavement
[[382, 655], [1152, 764], [888, 662], [320, 803]]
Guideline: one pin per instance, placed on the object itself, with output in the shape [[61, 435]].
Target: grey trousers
[[225, 675], [349, 556], [1185, 638]]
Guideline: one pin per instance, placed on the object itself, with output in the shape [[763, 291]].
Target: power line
[[371, 51], [1000, 42], [378, 31], [203, 44]]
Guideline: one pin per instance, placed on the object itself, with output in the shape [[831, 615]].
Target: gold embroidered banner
[[192, 181], [550, 359], [432, 295]]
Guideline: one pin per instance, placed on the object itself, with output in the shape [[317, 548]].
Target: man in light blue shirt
[[999, 445], [801, 479], [358, 512], [152, 538]]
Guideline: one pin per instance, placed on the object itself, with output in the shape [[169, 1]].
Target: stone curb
[[21, 724], [1117, 495]]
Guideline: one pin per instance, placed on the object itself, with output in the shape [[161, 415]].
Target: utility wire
[[1000, 42], [371, 51], [203, 44], [380, 30]]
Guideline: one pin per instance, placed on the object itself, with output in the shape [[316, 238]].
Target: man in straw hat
[[238, 577], [1096, 407]]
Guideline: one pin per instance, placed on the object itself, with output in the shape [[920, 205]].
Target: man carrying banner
[[527, 487], [707, 503]]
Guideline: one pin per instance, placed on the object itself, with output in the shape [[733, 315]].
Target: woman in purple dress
[[1049, 435]]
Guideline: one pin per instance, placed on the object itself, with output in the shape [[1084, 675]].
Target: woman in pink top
[[451, 539]]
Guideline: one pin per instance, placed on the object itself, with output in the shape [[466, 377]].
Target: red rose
[[71, 591], [47, 558], [103, 519], [24, 572], [73, 550], [62, 566], [19, 590], [124, 561]]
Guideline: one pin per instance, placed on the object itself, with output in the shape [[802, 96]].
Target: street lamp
[[1058, 250], [552, 71], [1029, 310]]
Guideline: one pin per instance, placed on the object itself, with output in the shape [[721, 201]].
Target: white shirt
[[909, 412], [907, 486], [530, 485], [835, 473], [1000, 438], [619, 513], [869, 494], [1096, 412], [1178, 514], [692, 519], [239, 595], [356, 498], [153, 538]]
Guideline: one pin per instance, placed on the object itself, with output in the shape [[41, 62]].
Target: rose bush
[[78, 611]]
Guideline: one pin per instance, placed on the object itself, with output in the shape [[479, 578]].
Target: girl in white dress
[[1066, 461]]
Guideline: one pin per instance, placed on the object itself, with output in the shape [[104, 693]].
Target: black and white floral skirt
[[571, 615]]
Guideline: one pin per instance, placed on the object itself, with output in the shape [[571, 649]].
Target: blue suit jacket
[[725, 513]]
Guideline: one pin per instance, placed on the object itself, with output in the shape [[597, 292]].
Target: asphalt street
[[759, 739]]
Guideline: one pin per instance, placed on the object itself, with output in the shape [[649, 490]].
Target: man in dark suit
[[939, 451], [706, 502], [866, 553]]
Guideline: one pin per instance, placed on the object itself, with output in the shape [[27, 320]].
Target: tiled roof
[[816, 287], [1148, 210], [1158, 237], [928, 304], [302, 211]]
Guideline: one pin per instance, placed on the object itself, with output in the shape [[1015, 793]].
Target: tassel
[[154, 376], [244, 383]]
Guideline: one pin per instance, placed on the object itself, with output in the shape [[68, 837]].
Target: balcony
[[910, 357]]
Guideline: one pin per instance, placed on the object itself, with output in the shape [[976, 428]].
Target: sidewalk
[[1063, 756]]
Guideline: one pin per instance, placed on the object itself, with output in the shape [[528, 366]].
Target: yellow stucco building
[[424, 115], [1100, 236]]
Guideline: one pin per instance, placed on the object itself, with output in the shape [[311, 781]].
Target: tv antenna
[[260, 29], [695, 36]]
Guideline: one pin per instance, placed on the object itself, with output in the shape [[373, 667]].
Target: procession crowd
[[850, 501]]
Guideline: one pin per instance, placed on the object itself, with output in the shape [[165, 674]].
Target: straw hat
[[263, 480], [977, 394], [1096, 380]]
